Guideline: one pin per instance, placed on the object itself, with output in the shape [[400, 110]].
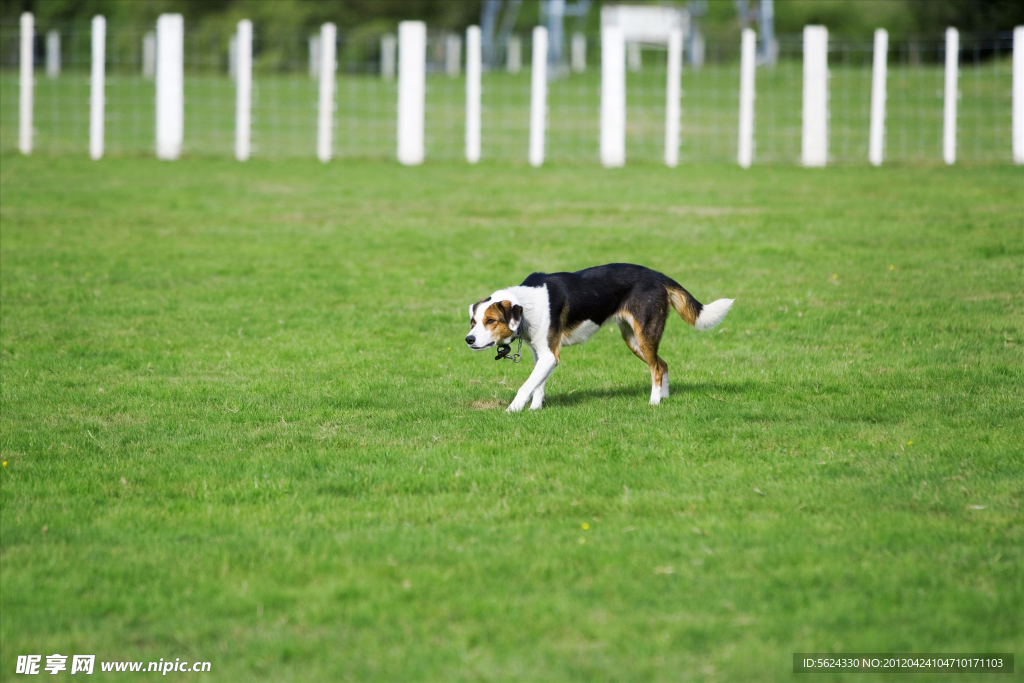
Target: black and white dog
[[552, 310]]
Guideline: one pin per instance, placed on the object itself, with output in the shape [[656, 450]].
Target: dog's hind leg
[[644, 343], [626, 328], [659, 375]]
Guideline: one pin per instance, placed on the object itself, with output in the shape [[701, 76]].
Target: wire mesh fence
[[285, 95]]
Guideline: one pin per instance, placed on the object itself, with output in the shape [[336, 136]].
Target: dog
[[552, 310]]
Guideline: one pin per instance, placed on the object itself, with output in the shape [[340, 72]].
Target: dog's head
[[493, 322]]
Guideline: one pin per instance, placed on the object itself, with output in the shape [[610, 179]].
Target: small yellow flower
[[584, 526], [835, 276], [449, 348], [892, 267], [910, 443], [5, 463]]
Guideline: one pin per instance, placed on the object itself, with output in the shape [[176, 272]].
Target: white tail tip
[[712, 314]]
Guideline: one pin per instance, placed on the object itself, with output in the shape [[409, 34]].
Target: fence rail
[[363, 114]]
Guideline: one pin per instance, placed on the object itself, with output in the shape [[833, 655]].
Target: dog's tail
[[694, 312]]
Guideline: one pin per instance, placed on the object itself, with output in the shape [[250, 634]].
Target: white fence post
[[170, 85], [1018, 95], [314, 57], [452, 54], [325, 105], [579, 53], [412, 75], [748, 47], [814, 148], [473, 94], [149, 55], [25, 78], [951, 95], [243, 90], [876, 135], [538, 94], [672, 95], [514, 55], [388, 48], [96, 86], [52, 54], [613, 97]]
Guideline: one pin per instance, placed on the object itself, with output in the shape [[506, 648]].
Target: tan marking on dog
[[496, 319], [683, 303], [557, 334]]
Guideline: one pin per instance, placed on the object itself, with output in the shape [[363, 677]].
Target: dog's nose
[[470, 339]]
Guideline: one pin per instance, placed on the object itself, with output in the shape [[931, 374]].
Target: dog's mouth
[[481, 348]]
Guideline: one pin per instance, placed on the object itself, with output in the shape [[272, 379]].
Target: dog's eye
[[490, 321]]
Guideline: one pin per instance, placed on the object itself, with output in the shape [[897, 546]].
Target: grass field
[[239, 423]]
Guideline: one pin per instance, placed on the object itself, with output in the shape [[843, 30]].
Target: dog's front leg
[[538, 397], [538, 394], [545, 365]]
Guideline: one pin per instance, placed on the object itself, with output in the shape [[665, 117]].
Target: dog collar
[[505, 349]]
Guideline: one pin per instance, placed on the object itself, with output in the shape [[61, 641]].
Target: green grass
[[240, 425]]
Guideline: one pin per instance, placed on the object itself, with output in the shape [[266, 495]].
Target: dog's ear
[[515, 318]]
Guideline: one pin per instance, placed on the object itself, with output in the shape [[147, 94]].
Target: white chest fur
[[536, 311]]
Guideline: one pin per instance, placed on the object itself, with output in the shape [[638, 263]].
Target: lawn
[[239, 423]]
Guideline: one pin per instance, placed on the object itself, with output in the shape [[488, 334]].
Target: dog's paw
[[536, 405], [516, 407]]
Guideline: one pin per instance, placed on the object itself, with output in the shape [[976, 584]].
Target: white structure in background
[[672, 94], [412, 75], [149, 55], [538, 95], [814, 147], [578, 59], [473, 67], [514, 55], [453, 54], [634, 62], [651, 24], [243, 90], [697, 51], [388, 50], [748, 48], [876, 134], [233, 57], [1018, 95], [613, 97], [52, 54], [314, 56], [25, 82], [97, 84], [325, 103], [952, 94], [170, 85], [633, 25]]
